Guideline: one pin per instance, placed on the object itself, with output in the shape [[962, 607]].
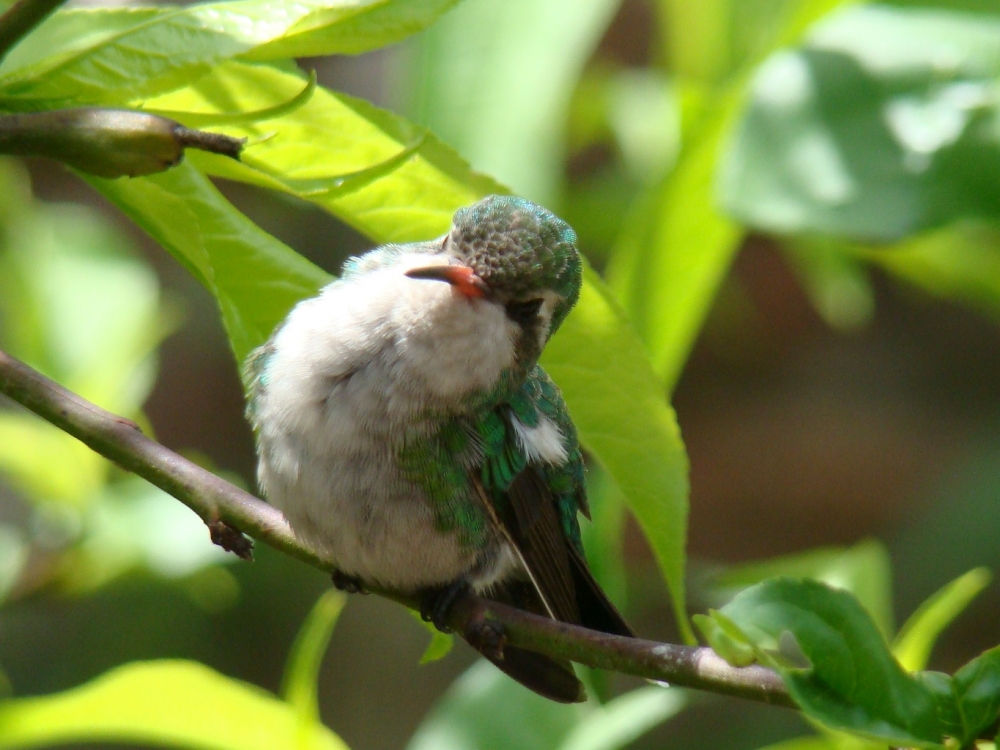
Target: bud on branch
[[108, 142]]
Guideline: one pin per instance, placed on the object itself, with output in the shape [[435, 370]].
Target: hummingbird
[[408, 434]]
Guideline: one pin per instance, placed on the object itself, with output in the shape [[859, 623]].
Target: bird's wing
[[536, 499]]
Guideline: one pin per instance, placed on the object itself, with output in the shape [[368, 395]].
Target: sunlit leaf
[[374, 24], [624, 419], [130, 55], [132, 524], [440, 644], [916, 638], [495, 81], [163, 703], [673, 258], [879, 127], [255, 278], [670, 261], [335, 136], [299, 685], [76, 306]]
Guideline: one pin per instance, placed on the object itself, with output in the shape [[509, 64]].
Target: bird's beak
[[463, 278]]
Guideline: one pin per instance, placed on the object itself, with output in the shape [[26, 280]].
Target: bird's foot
[[487, 637], [437, 604], [347, 584], [231, 539]]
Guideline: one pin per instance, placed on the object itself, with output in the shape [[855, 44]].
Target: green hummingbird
[[407, 432]]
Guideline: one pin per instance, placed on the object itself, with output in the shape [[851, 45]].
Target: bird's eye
[[524, 312]]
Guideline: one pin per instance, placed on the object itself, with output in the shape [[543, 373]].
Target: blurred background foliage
[[795, 204]]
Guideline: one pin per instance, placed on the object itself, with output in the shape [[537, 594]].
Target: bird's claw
[[347, 584], [437, 604], [231, 539], [487, 637]]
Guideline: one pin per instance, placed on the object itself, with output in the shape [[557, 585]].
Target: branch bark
[[221, 504]]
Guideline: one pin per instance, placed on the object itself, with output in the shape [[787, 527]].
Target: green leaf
[[916, 638], [76, 306], [878, 128], [668, 267], [839, 285], [164, 703], [977, 692], [604, 537], [969, 701], [622, 416], [255, 278], [725, 638], [624, 719], [863, 569], [373, 24], [131, 55], [299, 684], [956, 263], [807, 743], [485, 710], [494, 79], [835, 662], [440, 644], [132, 524], [331, 137]]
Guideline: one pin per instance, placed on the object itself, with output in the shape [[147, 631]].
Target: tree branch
[[221, 504], [20, 19]]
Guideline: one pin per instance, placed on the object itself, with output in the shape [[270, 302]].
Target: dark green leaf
[[880, 127], [863, 569], [977, 693], [835, 662]]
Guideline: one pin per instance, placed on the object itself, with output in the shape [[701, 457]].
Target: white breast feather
[[352, 370]]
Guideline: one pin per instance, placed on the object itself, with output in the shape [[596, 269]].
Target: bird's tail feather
[[552, 678]]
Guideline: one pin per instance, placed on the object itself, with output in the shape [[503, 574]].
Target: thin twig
[[22, 17], [216, 500]]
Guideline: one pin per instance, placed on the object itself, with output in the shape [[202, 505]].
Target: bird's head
[[514, 254]]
